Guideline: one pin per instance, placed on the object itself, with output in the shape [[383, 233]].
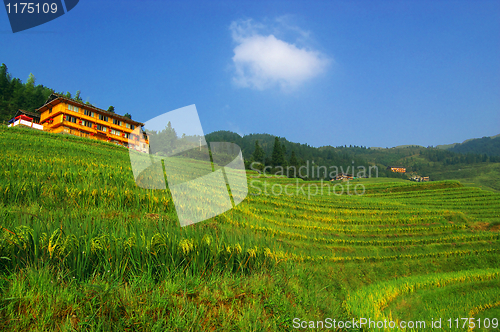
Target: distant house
[[63, 115], [343, 176], [26, 119], [419, 178], [397, 169]]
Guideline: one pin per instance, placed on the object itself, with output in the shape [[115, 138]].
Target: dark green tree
[[31, 81], [127, 115], [77, 97], [283, 150], [166, 140], [111, 109], [258, 153], [294, 164], [29, 93], [5, 92], [278, 158]]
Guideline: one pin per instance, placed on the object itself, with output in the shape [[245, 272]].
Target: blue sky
[[371, 73]]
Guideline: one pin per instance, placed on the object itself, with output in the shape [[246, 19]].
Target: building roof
[[56, 98], [31, 114]]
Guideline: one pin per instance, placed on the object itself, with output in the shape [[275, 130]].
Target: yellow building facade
[[398, 169], [63, 115]]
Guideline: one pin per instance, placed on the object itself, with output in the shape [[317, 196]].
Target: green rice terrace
[[82, 248]]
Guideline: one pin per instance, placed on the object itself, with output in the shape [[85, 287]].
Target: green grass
[[426, 298], [446, 301], [83, 248]]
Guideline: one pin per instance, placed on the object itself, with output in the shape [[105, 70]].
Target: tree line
[[277, 153], [15, 95], [486, 145]]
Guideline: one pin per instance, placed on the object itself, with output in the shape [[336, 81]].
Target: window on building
[[117, 122], [103, 117], [88, 113], [127, 135], [114, 132], [73, 108], [87, 124], [70, 118], [101, 128], [127, 125], [132, 127]]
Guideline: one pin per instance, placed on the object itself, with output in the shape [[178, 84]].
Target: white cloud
[[262, 61]]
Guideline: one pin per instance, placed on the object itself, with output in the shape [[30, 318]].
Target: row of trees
[[283, 163], [448, 157], [278, 157], [277, 151]]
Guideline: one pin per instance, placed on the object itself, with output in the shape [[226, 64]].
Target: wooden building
[[34, 116], [27, 119], [397, 169], [63, 115]]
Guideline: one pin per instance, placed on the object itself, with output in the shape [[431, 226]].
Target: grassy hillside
[[83, 248]]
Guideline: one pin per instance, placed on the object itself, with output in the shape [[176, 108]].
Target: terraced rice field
[[83, 248]]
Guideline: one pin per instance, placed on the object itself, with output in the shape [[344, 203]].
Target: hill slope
[[486, 145], [489, 145], [83, 248]]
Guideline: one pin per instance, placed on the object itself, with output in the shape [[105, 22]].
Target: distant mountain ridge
[[438, 164], [489, 145]]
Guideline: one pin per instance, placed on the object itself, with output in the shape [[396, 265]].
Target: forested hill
[[16, 95], [486, 145], [267, 144], [270, 150], [436, 163], [407, 156]]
